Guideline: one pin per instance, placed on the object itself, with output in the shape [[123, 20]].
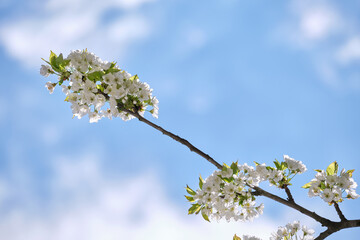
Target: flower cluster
[[282, 173], [98, 88], [245, 237], [229, 193], [291, 231], [226, 194], [330, 186]]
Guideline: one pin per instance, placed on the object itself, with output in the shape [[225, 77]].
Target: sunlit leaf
[[332, 168], [308, 185]]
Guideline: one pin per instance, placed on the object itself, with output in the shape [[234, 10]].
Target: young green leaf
[[235, 168], [277, 164], [204, 215], [134, 77], [225, 167], [190, 191], [52, 58], [96, 76], [283, 166], [308, 185], [350, 172], [332, 168], [236, 237], [194, 208], [201, 182], [190, 199]]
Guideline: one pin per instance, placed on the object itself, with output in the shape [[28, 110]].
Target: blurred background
[[241, 80]]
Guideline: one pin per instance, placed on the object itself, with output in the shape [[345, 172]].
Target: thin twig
[[176, 138], [341, 215]]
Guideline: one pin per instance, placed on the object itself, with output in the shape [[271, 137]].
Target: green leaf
[[194, 208], [190, 199], [269, 168], [236, 237], [65, 63], [256, 163], [318, 170], [52, 58], [201, 182], [350, 172], [234, 167], [112, 70], [190, 191], [96, 76], [283, 166], [100, 87], [332, 168], [308, 185], [204, 215], [228, 180], [226, 166], [277, 164], [57, 62], [134, 77]]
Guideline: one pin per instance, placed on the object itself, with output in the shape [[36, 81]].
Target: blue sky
[[241, 80]]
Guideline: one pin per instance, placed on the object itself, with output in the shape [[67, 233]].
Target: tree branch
[[341, 215], [331, 226], [292, 204], [325, 234], [337, 226], [175, 137]]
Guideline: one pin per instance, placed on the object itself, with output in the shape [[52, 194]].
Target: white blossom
[[50, 86], [45, 70], [96, 90], [294, 165], [292, 232], [330, 187]]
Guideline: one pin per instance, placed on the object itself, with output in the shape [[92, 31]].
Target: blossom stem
[[288, 193]]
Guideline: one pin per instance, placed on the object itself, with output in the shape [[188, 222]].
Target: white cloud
[[317, 23], [85, 203], [328, 36], [310, 22], [350, 51], [66, 25]]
